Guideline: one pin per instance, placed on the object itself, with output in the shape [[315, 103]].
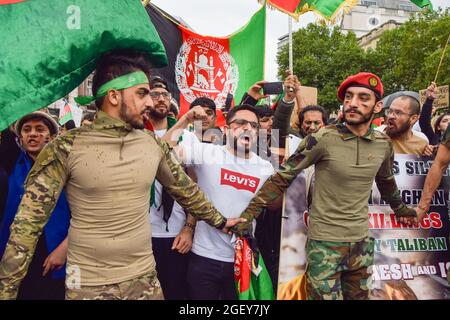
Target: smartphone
[[272, 88]]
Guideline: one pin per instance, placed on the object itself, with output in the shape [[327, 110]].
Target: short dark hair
[[438, 122], [301, 116], [117, 63], [204, 102], [69, 125], [414, 105], [89, 116], [240, 107], [264, 111]]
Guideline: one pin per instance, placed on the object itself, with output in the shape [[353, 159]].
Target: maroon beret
[[362, 79]]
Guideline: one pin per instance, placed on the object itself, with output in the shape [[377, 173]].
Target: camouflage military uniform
[[346, 166], [108, 192], [146, 287], [338, 270]]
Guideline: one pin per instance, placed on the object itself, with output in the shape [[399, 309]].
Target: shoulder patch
[[311, 142]]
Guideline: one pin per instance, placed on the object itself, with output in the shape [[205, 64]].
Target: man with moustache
[[311, 119], [230, 175], [347, 158], [106, 170], [171, 237], [402, 113]]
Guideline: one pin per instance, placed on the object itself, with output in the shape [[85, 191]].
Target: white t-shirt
[[230, 183], [177, 218]]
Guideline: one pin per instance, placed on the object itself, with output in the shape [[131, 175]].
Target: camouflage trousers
[[338, 270], [146, 287]]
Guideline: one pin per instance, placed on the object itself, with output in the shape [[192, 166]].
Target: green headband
[[122, 82]]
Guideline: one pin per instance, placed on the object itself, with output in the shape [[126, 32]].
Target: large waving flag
[[210, 66], [326, 8], [48, 47]]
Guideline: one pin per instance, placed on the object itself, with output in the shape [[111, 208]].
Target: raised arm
[[426, 113]]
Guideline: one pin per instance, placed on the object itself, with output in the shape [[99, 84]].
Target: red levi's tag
[[238, 180]]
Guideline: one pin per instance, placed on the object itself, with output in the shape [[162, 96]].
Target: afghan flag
[[423, 3], [48, 47], [251, 277], [206, 66], [326, 8], [65, 114]]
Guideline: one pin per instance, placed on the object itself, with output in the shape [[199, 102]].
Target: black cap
[[158, 82]]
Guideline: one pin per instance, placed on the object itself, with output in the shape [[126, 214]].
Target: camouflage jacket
[[346, 166], [120, 208]]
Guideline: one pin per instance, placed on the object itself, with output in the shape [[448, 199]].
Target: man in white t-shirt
[[230, 176]]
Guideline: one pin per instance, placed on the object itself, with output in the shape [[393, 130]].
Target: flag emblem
[[204, 67]]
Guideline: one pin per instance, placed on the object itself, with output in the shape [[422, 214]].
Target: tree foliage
[[405, 58]]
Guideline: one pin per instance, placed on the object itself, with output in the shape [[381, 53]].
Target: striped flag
[[207, 66], [326, 8], [65, 113]]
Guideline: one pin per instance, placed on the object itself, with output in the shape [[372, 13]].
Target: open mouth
[[32, 142], [245, 139], [390, 124]]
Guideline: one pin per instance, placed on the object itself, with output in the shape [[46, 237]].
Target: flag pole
[[442, 58], [291, 62]]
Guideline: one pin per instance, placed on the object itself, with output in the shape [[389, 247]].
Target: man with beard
[[347, 158], [106, 170], [402, 114], [171, 237], [34, 131], [230, 175]]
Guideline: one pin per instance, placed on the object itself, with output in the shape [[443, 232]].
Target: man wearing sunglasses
[[229, 175], [171, 238]]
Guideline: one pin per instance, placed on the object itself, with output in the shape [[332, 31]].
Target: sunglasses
[[242, 122]]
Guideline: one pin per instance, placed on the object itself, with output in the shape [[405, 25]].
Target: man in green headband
[[106, 170]]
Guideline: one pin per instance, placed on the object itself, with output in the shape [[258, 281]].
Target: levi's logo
[[238, 180]]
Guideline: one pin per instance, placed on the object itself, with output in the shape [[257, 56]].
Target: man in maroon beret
[[348, 157]]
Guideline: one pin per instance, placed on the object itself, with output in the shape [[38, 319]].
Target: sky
[[222, 18]]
